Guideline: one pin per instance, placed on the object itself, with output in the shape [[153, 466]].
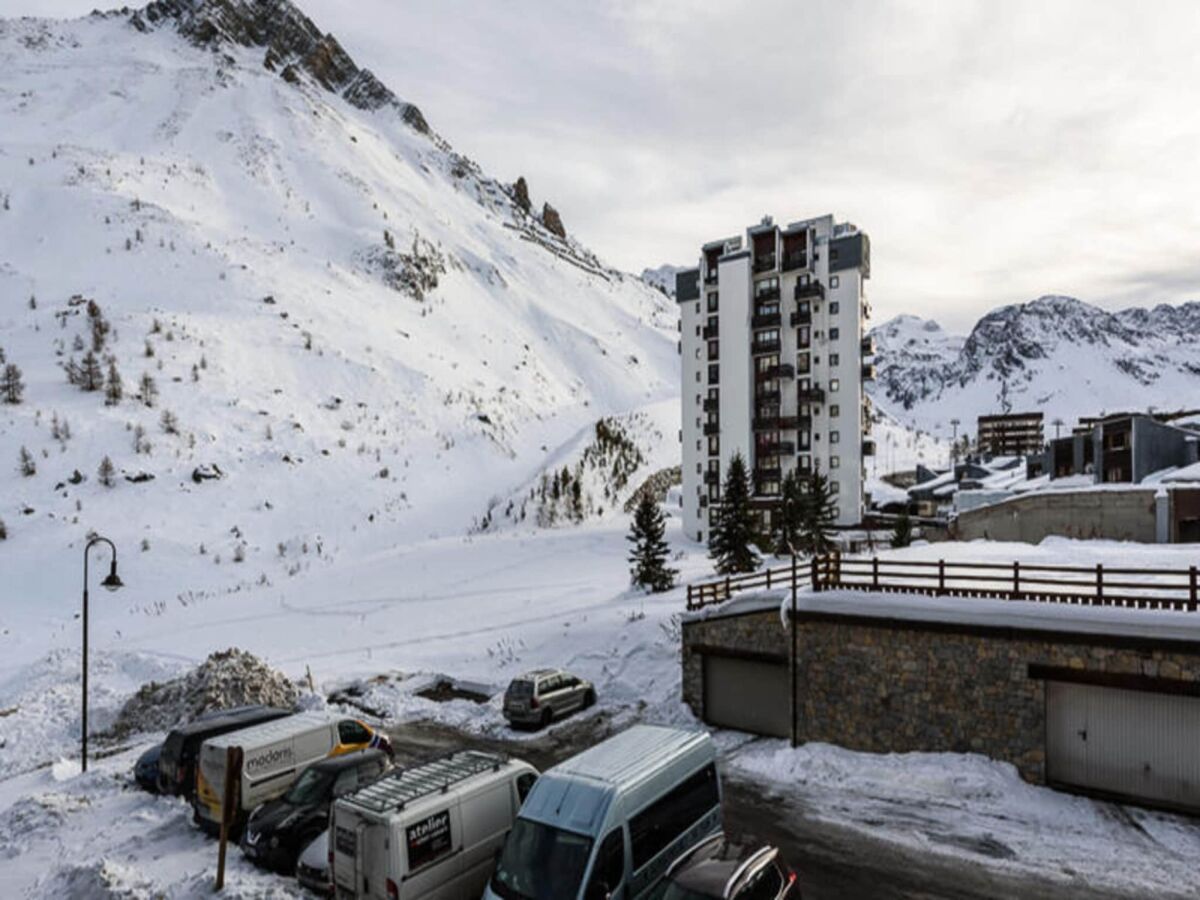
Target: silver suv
[[538, 697]]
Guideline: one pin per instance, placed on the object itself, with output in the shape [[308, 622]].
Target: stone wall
[[1120, 515], [889, 686]]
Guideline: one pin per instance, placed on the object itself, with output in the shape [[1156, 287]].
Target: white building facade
[[774, 357]]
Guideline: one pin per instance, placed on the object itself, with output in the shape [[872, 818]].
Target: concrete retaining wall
[[1122, 515]]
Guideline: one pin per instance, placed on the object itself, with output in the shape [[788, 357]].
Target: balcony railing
[[776, 423], [763, 347], [786, 448], [712, 428], [801, 318], [766, 320], [710, 331], [783, 370], [712, 476], [761, 475], [710, 404], [796, 260], [868, 372], [809, 289], [762, 295], [803, 423], [811, 395], [767, 396], [868, 345], [764, 263]]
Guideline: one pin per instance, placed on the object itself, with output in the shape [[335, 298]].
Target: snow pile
[[225, 680]]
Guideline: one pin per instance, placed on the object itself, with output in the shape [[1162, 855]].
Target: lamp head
[[113, 581]]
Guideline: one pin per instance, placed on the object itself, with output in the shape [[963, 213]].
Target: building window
[[700, 536], [712, 303], [805, 463], [697, 307], [833, 280], [714, 444], [835, 462], [834, 359], [768, 286], [714, 374], [833, 254], [835, 437], [834, 384], [834, 410], [834, 333], [834, 306], [803, 363]]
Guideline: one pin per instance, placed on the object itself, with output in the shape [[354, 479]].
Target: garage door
[[747, 695], [1131, 743]]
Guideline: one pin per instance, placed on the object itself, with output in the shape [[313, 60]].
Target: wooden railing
[[1099, 585]]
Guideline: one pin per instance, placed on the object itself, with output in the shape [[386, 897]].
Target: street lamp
[[111, 582]]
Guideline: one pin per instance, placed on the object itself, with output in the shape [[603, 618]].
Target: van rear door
[[431, 850]]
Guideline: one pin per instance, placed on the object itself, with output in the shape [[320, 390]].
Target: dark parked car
[[177, 764], [719, 869], [538, 697], [278, 831], [145, 772]]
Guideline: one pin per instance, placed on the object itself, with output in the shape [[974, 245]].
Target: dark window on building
[[714, 374], [834, 307], [713, 303], [834, 333], [834, 359], [654, 829]]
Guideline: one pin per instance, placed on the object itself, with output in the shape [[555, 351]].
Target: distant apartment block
[[1123, 448], [1011, 434], [774, 360]]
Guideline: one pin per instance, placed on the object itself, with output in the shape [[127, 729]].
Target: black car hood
[[269, 817]]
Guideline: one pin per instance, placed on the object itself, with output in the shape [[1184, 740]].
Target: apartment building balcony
[[710, 331], [801, 318], [712, 476], [764, 262], [809, 289], [868, 345], [767, 396], [763, 347], [785, 448], [766, 320], [712, 428], [811, 395], [868, 448], [868, 372], [793, 261], [710, 404], [804, 423], [763, 295], [776, 423], [761, 475], [783, 370]]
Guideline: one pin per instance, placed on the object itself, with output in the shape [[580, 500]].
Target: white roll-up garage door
[[747, 695], [1130, 743]]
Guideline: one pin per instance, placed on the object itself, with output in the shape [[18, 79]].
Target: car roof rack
[[394, 792]]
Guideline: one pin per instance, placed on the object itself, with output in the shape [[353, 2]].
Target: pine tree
[[91, 376], [648, 559], [730, 542], [148, 390], [790, 522], [12, 388], [106, 473], [114, 388], [27, 465], [902, 533], [168, 422], [820, 513]]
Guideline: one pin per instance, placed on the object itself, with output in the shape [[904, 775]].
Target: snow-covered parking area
[[480, 611]]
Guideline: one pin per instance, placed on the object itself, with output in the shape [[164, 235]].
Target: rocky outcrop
[[293, 45], [521, 194], [553, 221]]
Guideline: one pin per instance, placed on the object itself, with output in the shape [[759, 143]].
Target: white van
[[429, 832], [274, 754], [608, 822]]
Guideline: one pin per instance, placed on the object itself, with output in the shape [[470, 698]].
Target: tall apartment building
[[774, 360], [1010, 434]]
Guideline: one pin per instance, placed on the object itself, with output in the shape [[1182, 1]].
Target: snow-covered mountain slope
[[1056, 354], [362, 332], [662, 278]]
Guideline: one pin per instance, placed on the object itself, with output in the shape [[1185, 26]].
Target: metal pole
[[85, 650], [795, 711]]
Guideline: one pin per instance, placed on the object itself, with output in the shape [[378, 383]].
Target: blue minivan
[[608, 822]]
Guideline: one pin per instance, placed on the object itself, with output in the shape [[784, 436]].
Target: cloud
[[994, 152]]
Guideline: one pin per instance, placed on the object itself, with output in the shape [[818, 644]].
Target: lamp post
[[792, 659], [111, 582]]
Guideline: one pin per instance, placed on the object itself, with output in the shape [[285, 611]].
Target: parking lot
[[832, 861]]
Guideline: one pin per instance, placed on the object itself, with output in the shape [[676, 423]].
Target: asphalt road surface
[[831, 861]]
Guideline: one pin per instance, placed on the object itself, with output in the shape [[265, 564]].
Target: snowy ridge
[[1056, 354]]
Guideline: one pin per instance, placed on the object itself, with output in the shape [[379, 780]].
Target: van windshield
[[311, 787], [541, 863]]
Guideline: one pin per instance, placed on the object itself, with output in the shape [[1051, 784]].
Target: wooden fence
[[1099, 585]]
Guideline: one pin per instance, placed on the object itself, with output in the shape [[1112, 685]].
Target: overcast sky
[[993, 151]]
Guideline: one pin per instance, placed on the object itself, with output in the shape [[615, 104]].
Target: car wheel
[[547, 715], [589, 699]]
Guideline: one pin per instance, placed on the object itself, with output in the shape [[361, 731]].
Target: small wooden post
[[1016, 579], [875, 572], [1192, 589], [941, 576], [689, 596], [768, 579], [229, 803], [1100, 583], [728, 588], [815, 576]]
